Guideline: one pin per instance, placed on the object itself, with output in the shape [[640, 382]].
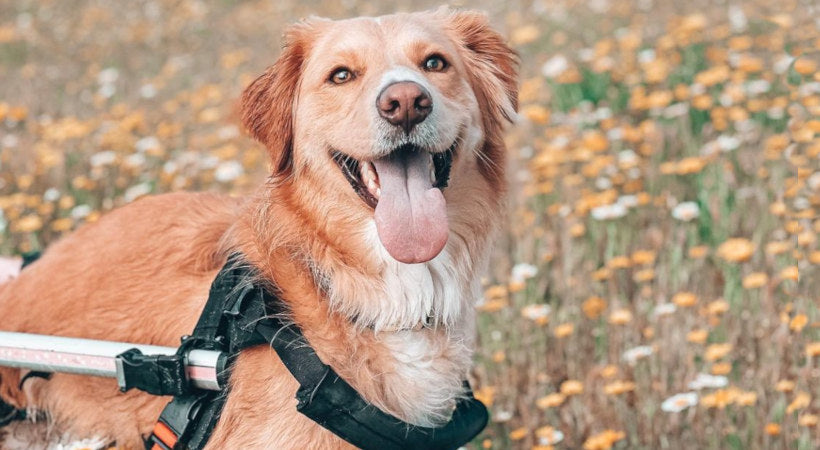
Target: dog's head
[[392, 115]]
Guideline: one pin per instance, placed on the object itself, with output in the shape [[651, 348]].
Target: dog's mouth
[[404, 188]]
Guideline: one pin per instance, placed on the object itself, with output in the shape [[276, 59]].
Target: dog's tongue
[[411, 216]]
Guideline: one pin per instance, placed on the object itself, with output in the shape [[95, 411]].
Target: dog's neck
[[362, 312]]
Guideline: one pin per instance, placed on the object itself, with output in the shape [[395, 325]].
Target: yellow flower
[[27, 224], [772, 429], [593, 307], [801, 400], [784, 386], [790, 273], [717, 307], [717, 351], [492, 306], [813, 349], [550, 401], [697, 336], [798, 322], [643, 257], [644, 275], [736, 250], [563, 330], [601, 274], [698, 252], [719, 399], [486, 395], [619, 262], [604, 440], [778, 247], [536, 114], [620, 317], [805, 66], [746, 398], [572, 387], [690, 165], [609, 371], [524, 35], [63, 224], [684, 299], [807, 420], [496, 292], [755, 280], [721, 368], [519, 433], [619, 387]]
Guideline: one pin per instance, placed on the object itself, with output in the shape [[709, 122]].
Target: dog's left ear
[[491, 64], [267, 103]]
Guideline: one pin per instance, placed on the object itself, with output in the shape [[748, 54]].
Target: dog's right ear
[[267, 103]]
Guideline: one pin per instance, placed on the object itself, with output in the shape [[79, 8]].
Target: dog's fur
[[142, 273]]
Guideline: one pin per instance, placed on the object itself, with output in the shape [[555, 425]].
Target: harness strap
[[241, 314], [331, 402]]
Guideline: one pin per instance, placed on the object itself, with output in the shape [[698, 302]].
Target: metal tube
[[91, 357]]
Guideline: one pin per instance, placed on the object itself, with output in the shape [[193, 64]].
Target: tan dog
[[378, 261]]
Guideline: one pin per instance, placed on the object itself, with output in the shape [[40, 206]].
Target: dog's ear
[[267, 103], [491, 65]]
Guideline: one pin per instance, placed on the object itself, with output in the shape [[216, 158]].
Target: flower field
[[655, 285]]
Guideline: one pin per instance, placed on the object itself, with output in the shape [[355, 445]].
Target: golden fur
[[142, 272]]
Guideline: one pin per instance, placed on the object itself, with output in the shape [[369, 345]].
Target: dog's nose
[[404, 104]]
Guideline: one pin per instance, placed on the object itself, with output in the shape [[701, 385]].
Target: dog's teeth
[[433, 175], [378, 193]]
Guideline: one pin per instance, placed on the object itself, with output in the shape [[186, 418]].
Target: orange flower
[[619, 387], [604, 440], [684, 299], [736, 250], [801, 401], [755, 280], [790, 273], [563, 330], [798, 322], [717, 351], [772, 429], [813, 349], [593, 307], [717, 307], [620, 317], [550, 401], [784, 386], [697, 336], [807, 420], [572, 387], [486, 395], [805, 66]]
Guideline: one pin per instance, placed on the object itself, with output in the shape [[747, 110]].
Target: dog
[[375, 225]]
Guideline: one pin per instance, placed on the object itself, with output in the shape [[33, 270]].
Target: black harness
[[241, 313]]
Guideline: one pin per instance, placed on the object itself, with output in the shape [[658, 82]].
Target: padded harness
[[241, 313]]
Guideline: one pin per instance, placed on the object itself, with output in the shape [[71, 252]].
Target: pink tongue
[[411, 216]]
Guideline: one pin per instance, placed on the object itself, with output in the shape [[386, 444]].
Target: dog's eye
[[435, 63], [341, 75]]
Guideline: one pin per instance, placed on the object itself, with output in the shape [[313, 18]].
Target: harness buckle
[[154, 374], [176, 422]]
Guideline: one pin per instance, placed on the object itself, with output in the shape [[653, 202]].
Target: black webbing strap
[[239, 314], [224, 325], [331, 402]]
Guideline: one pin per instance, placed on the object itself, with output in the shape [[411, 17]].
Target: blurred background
[[655, 286]]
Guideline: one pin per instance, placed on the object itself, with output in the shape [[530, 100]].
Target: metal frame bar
[[97, 358]]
